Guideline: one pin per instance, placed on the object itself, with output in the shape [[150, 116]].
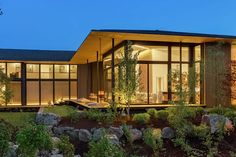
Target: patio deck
[[81, 105]]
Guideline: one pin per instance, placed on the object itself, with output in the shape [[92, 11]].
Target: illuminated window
[[32, 71], [16, 88], [158, 83], [152, 53], [175, 53], [46, 71], [3, 67], [46, 92], [32, 93], [197, 51], [185, 54], [61, 71], [14, 70], [73, 90], [61, 90], [73, 71]]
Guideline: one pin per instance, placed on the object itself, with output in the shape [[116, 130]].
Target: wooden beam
[[113, 69]]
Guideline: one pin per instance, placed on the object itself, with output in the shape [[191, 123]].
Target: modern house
[[44, 77]]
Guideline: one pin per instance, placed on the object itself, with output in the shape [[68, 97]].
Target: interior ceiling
[[90, 46]]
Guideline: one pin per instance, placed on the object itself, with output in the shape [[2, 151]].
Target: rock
[[73, 134], [47, 119], [98, 133], [12, 150], [167, 133], [55, 151], [84, 135], [61, 130], [43, 153], [55, 140], [117, 131], [215, 121], [77, 155], [135, 134], [113, 138], [57, 155]]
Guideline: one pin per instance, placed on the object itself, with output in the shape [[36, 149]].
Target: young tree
[[6, 92], [128, 79]]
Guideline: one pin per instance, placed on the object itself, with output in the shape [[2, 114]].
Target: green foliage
[[12, 130], [33, 138], [104, 148], [162, 115], [127, 133], [96, 115], [76, 116], [152, 138], [152, 112], [4, 139], [6, 92], [63, 111], [142, 118], [128, 80], [66, 147]]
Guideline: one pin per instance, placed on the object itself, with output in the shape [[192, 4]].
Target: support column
[[23, 84], [98, 80], [113, 69]]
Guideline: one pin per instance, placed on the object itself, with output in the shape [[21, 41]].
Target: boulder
[[55, 140], [56, 155], [47, 119], [61, 130], [167, 133], [12, 150], [55, 151], [135, 134], [117, 131], [113, 138], [98, 133], [84, 135], [215, 121], [73, 134]]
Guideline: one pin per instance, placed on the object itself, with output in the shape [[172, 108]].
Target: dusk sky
[[64, 24]]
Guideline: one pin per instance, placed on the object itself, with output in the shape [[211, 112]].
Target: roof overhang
[[101, 41]]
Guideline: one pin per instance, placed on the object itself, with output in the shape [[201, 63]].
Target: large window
[[158, 83], [46, 71], [61, 71], [14, 70], [32, 93], [46, 92], [156, 64], [73, 90], [16, 88], [61, 90], [3, 67], [73, 71], [32, 71]]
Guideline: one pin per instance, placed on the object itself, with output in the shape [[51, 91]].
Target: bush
[[152, 112], [96, 115], [162, 114], [33, 138], [77, 116], [104, 148], [4, 139], [66, 147], [142, 118], [127, 133], [153, 139]]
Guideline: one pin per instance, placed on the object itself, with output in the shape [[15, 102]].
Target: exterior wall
[[217, 71]]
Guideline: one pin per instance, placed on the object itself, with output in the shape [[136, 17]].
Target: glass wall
[[61, 90], [32, 71], [16, 88], [73, 90], [73, 71], [46, 92], [197, 59], [14, 70], [155, 63], [32, 92], [46, 71], [61, 71]]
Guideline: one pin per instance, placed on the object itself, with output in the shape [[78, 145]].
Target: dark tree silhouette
[[1, 12]]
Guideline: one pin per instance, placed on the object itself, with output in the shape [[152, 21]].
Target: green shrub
[[66, 147], [97, 115], [33, 138], [4, 139], [127, 133], [77, 116], [152, 112], [142, 118], [162, 115], [104, 148], [152, 138]]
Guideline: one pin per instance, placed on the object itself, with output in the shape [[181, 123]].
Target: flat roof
[[36, 55], [101, 40]]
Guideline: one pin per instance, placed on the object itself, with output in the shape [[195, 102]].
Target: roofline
[[9, 49], [161, 32]]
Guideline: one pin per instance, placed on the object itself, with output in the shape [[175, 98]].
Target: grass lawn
[[18, 119], [63, 111]]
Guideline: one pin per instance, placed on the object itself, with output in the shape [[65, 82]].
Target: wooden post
[[97, 78], [113, 69]]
